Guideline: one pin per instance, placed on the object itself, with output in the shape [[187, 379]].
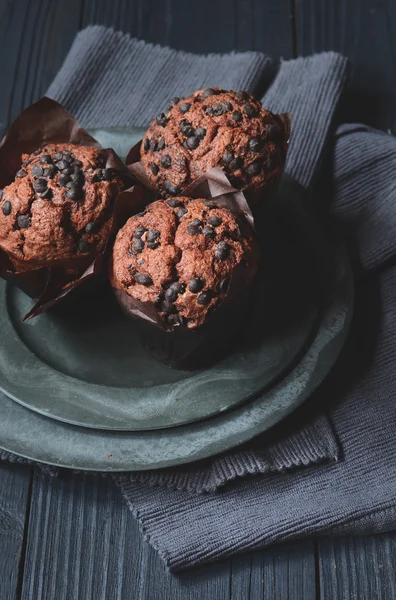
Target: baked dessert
[[213, 128], [58, 210], [182, 260]]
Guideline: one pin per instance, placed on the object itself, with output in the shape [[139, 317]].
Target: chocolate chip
[[6, 208], [181, 212], [236, 163], [1, 194], [26, 163], [67, 157], [77, 163], [186, 129], [139, 231], [175, 320], [255, 144], [250, 110], [40, 185], [192, 142], [23, 222], [173, 203], [170, 188], [146, 144], [242, 95], [141, 214], [209, 231], [138, 246], [74, 194], [92, 227], [62, 164], [50, 171], [78, 177], [37, 171], [185, 107], [37, 152], [200, 132], [161, 119], [46, 194], [193, 230], [153, 235], [271, 131], [218, 109], [57, 156], [107, 174], [152, 245], [165, 306], [237, 116], [215, 221], [84, 246], [174, 101], [97, 175], [153, 145], [68, 171], [154, 168], [224, 283], [222, 250], [45, 159], [197, 223], [166, 161], [209, 92], [63, 180], [72, 185], [204, 298], [227, 158], [196, 285], [143, 279], [21, 173], [254, 168], [161, 143], [173, 291]]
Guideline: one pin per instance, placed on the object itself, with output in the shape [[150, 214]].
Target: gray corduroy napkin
[[357, 493]]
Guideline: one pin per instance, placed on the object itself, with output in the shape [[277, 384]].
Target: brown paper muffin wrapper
[[183, 348], [47, 122], [252, 197]]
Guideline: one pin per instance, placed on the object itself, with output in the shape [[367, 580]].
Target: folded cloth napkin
[[357, 493]]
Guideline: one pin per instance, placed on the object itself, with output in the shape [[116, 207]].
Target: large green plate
[[309, 299]]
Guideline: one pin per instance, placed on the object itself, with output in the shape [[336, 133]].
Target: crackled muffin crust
[[59, 207], [212, 128], [179, 254]]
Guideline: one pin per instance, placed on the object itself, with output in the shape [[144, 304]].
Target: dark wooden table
[[72, 537]]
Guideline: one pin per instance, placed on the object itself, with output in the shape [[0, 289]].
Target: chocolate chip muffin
[[58, 210], [213, 128], [180, 256]]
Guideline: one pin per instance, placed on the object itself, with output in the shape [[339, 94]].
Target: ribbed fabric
[[310, 88], [110, 79]]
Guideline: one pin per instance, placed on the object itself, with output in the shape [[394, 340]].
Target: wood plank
[[358, 568], [30, 40], [14, 499], [364, 31], [256, 25]]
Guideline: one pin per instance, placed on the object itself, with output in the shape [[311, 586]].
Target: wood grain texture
[[363, 30], [83, 543], [358, 568], [14, 498]]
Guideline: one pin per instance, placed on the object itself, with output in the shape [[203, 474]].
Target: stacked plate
[[80, 392]]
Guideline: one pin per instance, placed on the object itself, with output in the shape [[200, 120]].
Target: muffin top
[[179, 254], [212, 128], [59, 207]]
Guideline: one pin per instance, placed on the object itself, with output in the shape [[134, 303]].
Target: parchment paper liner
[[252, 197], [47, 122], [183, 348]]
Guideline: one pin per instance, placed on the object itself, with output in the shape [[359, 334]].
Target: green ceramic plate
[[311, 290]]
